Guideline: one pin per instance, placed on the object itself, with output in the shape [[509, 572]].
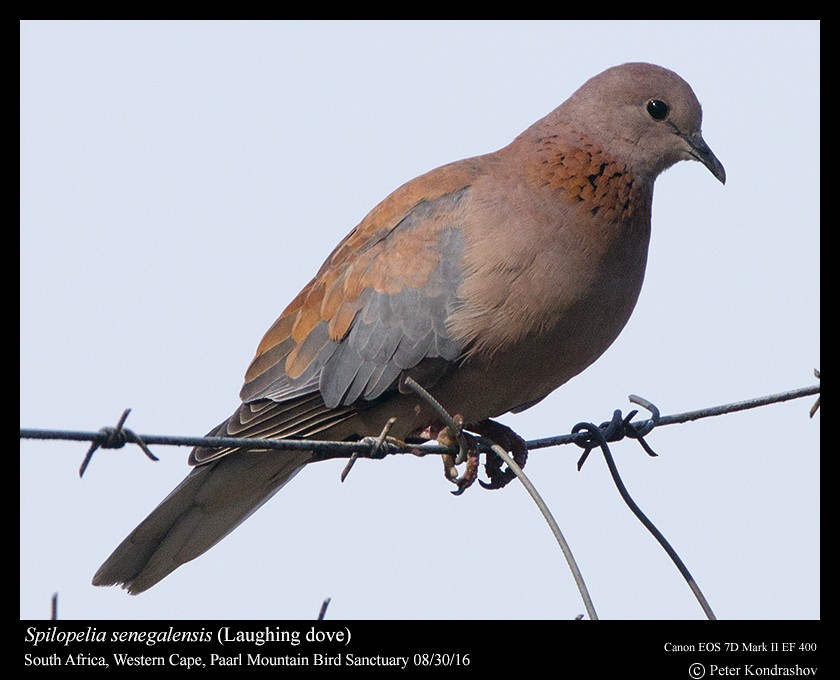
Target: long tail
[[210, 503]]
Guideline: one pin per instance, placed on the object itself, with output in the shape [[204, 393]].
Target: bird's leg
[[446, 438], [509, 441]]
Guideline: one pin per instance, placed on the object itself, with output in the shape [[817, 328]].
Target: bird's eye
[[657, 109]]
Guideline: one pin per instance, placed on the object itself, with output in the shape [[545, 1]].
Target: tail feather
[[210, 503]]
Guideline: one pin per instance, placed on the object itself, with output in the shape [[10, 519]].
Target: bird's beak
[[699, 150]]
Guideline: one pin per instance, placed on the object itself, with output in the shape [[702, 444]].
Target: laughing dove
[[490, 281]]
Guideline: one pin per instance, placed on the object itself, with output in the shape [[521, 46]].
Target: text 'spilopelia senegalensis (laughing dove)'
[[490, 281]]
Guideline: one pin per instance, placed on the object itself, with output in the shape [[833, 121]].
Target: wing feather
[[378, 305]]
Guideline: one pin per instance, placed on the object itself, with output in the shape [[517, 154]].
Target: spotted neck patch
[[583, 173]]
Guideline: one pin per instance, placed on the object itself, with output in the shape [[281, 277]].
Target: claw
[[470, 474], [449, 469], [510, 441], [468, 451]]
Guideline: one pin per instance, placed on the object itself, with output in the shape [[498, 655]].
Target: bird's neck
[[580, 172]]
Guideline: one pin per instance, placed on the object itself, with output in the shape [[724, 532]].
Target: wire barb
[[323, 612], [617, 429], [376, 448], [115, 438], [816, 406]]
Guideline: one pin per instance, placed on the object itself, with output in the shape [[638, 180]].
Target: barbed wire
[[587, 436], [116, 437]]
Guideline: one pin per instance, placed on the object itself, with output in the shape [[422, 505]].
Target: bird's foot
[[468, 453], [509, 441]]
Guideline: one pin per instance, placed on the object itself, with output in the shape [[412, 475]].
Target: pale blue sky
[[180, 182]]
